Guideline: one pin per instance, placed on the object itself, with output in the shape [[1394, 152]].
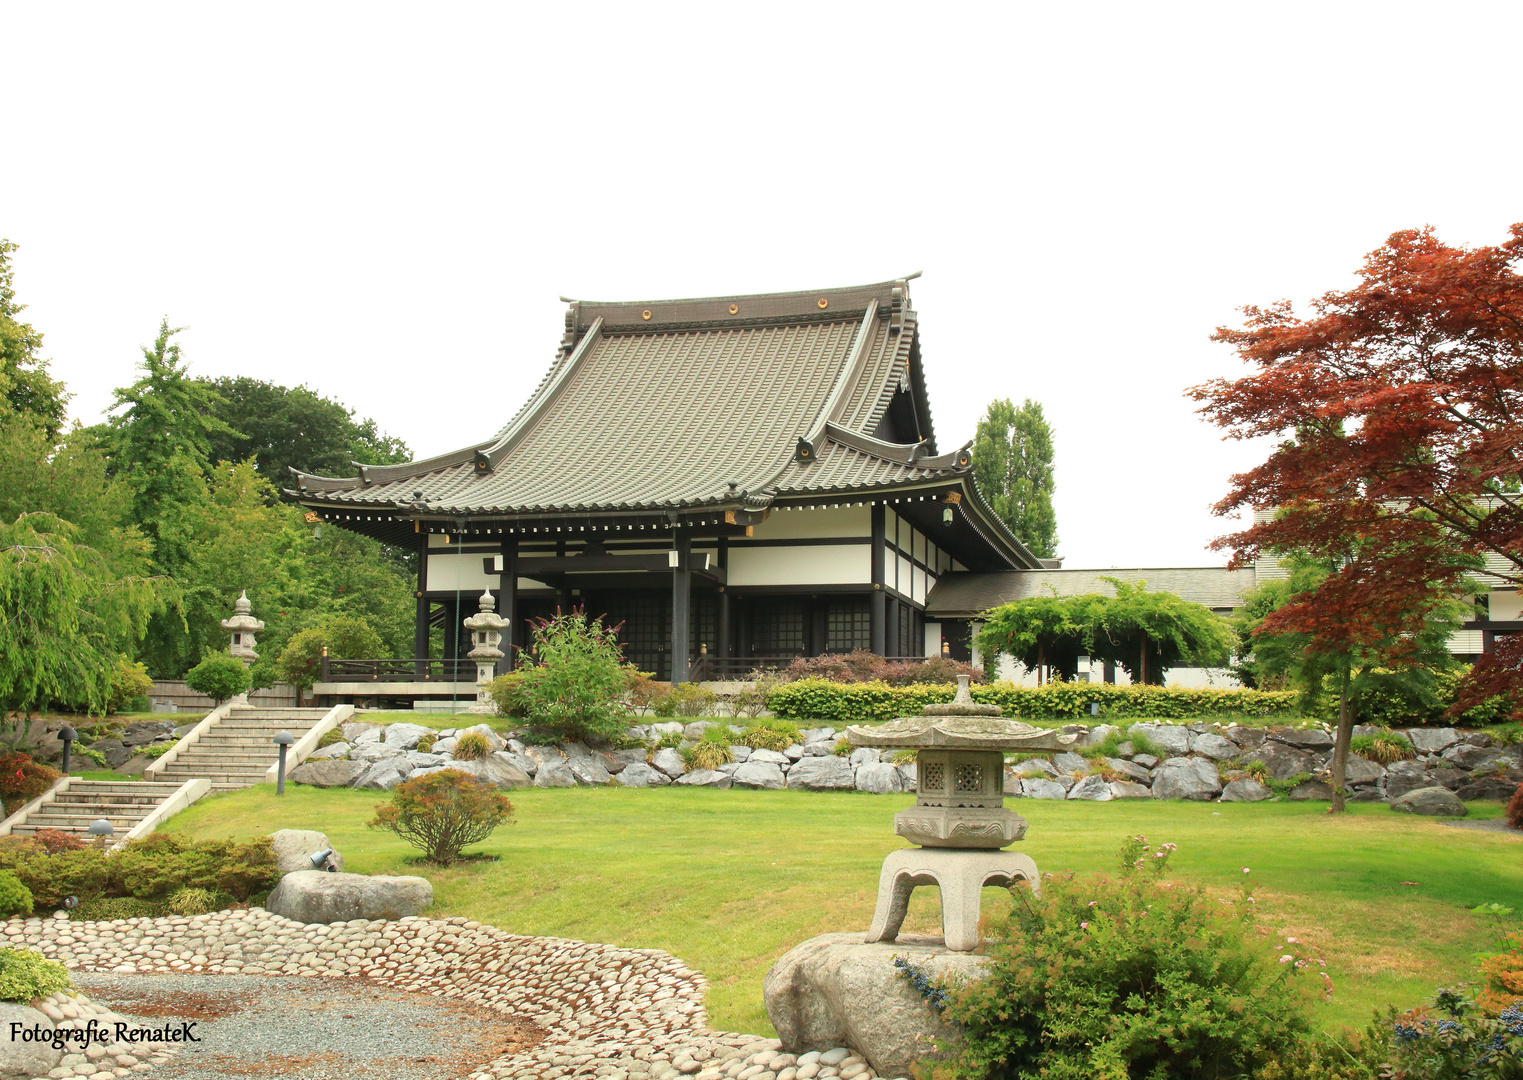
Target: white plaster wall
[[932, 639], [443, 568], [902, 582], [1505, 606], [1183, 677], [835, 564], [807, 524]]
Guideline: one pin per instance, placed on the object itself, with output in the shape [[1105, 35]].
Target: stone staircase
[[133, 807], [236, 748]]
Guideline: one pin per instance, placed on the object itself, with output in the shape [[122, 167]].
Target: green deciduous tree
[[65, 616], [280, 427], [26, 389], [345, 638], [1145, 633], [1012, 466], [218, 676]]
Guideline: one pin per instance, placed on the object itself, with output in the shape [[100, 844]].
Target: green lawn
[[730, 880]]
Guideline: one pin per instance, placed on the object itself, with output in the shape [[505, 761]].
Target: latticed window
[[933, 778], [779, 628], [848, 626], [647, 631], [969, 778]]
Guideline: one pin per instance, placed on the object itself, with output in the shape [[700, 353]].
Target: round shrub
[[129, 684], [443, 812], [1127, 978], [219, 677], [471, 746], [344, 636], [578, 686], [26, 976], [104, 908], [425, 742], [22, 780], [15, 898]]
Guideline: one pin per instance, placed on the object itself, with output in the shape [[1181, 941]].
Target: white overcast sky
[[385, 201]]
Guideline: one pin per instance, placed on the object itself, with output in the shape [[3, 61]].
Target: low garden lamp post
[[283, 739], [68, 735], [101, 828]]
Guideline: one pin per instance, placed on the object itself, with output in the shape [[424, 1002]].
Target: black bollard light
[[283, 739], [68, 735]]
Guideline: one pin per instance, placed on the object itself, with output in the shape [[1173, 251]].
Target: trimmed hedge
[[856, 703]]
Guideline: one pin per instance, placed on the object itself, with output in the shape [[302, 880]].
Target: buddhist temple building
[[732, 480]]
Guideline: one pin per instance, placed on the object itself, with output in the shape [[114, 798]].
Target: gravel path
[[313, 1028], [1494, 825]]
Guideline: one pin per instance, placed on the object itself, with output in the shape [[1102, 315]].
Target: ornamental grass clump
[[471, 746], [706, 754], [1130, 978], [1384, 747], [775, 735], [444, 812]]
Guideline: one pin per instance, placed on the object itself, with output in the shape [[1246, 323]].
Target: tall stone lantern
[[959, 818], [243, 626], [486, 627]]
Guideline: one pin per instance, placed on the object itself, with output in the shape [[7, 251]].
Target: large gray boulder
[[669, 762], [1487, 787], [1305, 738], [354, 729], [1311, 791], [524, 763], [705, 778], [1245, 789], [616, 761], [1072, 764], [1134, 772], [641, 775], [385, 774], [1283, 761], [406, 736], [1098, 734], [327, 773], [1357, 771], [495, 769], [332, 750], [1127, 789], [312, 896], [1035, 767], [21, 1060], [768, 757], [765, 774], [1433, 801], [1405, 776], [588, 771], [1465, 756], [864, 755], [1092, 788], [1246, 737], [1168, 737], [1195, 779], [822, 774], [554, 773], [294, 848], [1214, 746], [834, 990], [1042, 788], [372, 751], [879, 778], [1432, 740]]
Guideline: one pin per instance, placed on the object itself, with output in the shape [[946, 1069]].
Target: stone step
[[133, 787], [230, 758], [70, 799], [45, 820]]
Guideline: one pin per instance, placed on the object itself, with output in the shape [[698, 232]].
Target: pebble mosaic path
[[577, 1009]]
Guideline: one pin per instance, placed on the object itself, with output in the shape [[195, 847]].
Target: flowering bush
[[576, 689], [1452, 1040], [22, 780], [1109, 980]]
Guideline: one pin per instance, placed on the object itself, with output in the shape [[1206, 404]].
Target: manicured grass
[[730, 880]]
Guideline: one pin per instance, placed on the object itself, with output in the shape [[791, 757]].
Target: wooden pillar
[[722, 646], [891, 617], [878, 610], [420, 618], [818, 629], [682, 605], [507, 603]]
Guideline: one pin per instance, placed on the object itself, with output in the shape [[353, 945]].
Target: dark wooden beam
[[877, 611], [550, 568], [507, 603], [682, 597], [420, 623]]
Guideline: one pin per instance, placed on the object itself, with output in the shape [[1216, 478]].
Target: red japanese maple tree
[[1399, 404]]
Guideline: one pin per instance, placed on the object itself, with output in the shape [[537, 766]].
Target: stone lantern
[[959, 819], [242, 626], [486, 628]]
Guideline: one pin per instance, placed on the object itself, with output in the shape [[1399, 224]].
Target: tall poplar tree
[[1012, 466]]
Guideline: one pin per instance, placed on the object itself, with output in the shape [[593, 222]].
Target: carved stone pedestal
[[959, 874]]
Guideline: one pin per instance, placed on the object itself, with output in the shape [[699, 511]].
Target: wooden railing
[[706, 667], [416, 670]]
